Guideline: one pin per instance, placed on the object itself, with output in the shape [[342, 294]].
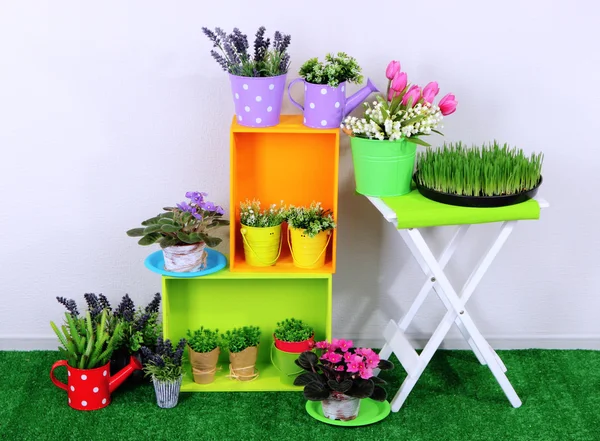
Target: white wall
[[110, 111]]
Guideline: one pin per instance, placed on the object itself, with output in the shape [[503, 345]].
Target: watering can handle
[[256, 255], [320, 254], [294, 102], [53, 378]]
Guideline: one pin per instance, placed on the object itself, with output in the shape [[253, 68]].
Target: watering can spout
[[117, 379], [353, 101]]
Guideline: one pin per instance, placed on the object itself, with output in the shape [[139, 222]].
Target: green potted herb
[[310, 229], [489, 175], [290, 338], [164, 366], [261, 232], [242, 344], [203, 350], [325, 83], [293, 335], [183, 232]]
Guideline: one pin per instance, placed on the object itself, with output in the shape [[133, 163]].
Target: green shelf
[[225, 300]]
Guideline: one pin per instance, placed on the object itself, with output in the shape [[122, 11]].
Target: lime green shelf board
[[267, 381]]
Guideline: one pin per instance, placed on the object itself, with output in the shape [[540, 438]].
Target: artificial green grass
[[455, 399]]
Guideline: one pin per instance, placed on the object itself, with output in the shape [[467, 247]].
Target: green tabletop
[[413, 210]]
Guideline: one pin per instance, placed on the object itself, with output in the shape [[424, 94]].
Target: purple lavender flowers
[[265, 61]]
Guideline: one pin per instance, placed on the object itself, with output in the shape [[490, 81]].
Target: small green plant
[[165, 362], [140, 326], [238, 339], [203, 340], [87, 342], [334, 70], [251, 215], [293, 330], [489, 170], [313, 219], [187, 223]]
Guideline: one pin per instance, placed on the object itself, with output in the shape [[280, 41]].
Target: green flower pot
[[383, 168]]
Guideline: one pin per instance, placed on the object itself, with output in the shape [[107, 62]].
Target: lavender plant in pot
[[183, 232], [340, 375], [257, 77], [165, 368]]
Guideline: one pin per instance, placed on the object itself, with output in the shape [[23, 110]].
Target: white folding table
[[394, 333]]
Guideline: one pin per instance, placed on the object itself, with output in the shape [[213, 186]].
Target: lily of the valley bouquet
[[407, 111]]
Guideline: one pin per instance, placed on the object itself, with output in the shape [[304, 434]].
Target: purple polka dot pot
[[257, 100], [324, 106]]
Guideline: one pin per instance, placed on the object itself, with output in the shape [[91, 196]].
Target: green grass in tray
[[489, 170]]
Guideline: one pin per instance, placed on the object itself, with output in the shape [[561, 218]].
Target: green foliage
[[187, 223], [293, 330], [489, 170], [87, 343], [203, 340], [334, 70], [238, 339], [312, 219], [252, 215]]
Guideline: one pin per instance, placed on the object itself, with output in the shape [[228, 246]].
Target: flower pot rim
[[250, 226], [154, 379], [198, 352], [258, 78], [185, 245], [302, 341], [104, 366], [342, 83]]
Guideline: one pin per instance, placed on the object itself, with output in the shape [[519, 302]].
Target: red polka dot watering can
[[90, 389]]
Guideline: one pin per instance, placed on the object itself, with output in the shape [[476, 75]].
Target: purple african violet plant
[[266, 61], [189, 222]]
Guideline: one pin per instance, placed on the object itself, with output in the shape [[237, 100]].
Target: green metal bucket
[[383, 168], [284, 363]]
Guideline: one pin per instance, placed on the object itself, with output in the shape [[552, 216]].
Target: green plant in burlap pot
[[242, 344], [204, 351]]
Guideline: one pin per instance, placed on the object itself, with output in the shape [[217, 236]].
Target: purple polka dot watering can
[[257, 100], [325, 107]]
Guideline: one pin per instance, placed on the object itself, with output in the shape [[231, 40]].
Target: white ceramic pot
[[185, 258], [340, 407]]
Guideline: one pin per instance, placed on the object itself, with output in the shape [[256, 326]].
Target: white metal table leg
[[446, 290], [404, 323]]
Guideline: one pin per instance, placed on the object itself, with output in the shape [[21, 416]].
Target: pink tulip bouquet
[[406, 111]]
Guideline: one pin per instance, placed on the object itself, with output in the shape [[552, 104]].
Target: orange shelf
[[289, 162]]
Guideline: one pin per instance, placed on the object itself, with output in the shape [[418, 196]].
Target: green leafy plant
[[265, 61], [313, 219], [203, 340], [238, 339], [340, 368], [165, 362], [187, 223], [487, 170], [252, 215], [140, 326], [87, 342], [334, 70], [293, 330]]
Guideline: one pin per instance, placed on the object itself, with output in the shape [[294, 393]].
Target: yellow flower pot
[[262, 245], [308, 252]]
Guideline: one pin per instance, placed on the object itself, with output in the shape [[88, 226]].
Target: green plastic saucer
[[370, 412]]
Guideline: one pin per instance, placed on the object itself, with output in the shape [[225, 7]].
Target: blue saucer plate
[[215, 261]]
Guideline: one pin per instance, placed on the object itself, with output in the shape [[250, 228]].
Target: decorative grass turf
[[455, 399]]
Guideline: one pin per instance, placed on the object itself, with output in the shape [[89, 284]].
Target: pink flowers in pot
[[411, 96], [405, 111], [340, 368]]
